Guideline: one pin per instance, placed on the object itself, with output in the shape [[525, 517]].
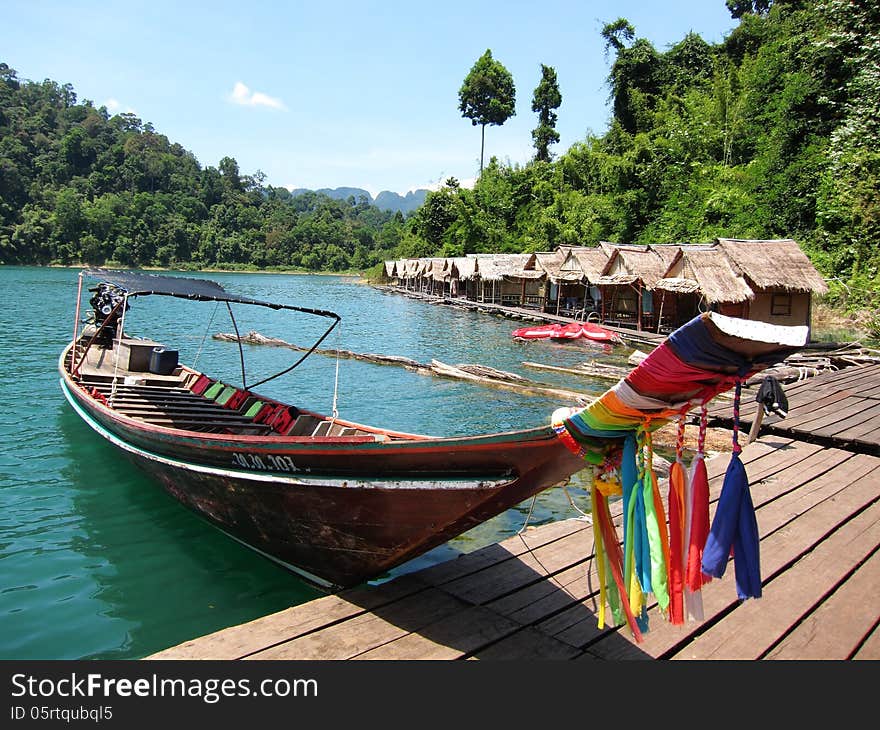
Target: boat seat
[[237, 399], [302, 426], [224, 395], [322, 429], [251, 408]]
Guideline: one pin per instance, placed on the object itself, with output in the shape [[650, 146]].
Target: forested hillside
[[77, 185], [770, 133]]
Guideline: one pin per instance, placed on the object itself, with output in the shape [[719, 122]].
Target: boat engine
[[105, 304]]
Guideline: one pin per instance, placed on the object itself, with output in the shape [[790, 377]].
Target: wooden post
[[639, 305], [756, 424]]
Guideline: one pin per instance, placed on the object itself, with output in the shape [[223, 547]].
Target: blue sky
[[328, 94]]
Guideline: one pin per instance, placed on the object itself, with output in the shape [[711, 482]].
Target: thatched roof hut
[[463, 267], [592, 261], [628, 264], [551, 261], [774, 264], [390, 269], [706, 269], [495, 267], [437, 269]]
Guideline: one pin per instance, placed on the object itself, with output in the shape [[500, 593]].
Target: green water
[[96, 561]]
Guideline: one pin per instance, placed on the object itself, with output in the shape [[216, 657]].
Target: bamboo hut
[[407, 271], [627, 284], [390, 272], [463, 277], [550, 262], [512, 280], [781, 276], [562, 276], [592, 261], [699, 278], [437, 277]]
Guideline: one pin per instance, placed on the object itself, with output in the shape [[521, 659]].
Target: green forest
[[771, 133]]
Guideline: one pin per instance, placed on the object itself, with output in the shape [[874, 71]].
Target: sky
[[326, 94]]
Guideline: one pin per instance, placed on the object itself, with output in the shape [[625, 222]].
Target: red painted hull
[[571, 331], [338, 510]]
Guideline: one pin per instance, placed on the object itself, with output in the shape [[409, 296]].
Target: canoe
[[570, 331]]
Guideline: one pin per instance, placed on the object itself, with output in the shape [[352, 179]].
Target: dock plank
[[852, 617], [755, 626], [367, 630], [774, 512]]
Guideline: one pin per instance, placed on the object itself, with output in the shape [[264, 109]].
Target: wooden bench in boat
[[176, 406]]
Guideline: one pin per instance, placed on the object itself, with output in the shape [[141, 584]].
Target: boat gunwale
[[221, 442]]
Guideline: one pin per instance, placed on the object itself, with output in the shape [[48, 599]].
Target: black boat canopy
[[139, 284]]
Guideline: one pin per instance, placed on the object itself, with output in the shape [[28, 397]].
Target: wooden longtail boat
[[335, 501]]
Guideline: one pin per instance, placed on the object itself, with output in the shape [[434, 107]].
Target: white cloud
[[243, 96], [115, 107]]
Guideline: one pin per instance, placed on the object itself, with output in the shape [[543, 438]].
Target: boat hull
[[336, 511], [570, 331]]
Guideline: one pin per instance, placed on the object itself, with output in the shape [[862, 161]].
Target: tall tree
[[545, 99], [487, 96], [616, 32]]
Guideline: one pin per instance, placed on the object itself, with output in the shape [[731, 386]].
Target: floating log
[[482, 374], [523, 385], [589, 370], [255, 338]]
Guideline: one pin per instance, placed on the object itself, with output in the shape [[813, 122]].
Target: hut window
[[780, 305]]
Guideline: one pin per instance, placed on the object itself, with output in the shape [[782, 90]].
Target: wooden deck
[[534, 596], [839, 409]]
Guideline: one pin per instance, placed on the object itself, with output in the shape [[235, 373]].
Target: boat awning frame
[[136, 284]]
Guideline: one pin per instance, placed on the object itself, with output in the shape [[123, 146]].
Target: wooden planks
[[836, 408], [535, 595]]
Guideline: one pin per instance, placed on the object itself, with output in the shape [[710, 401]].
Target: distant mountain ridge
[[386, 200]]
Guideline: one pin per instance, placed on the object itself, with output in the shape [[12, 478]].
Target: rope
[[528, 516], [205, 336], [335, 412], [704, 421], [736, 398], [583, 515], [679, 438]]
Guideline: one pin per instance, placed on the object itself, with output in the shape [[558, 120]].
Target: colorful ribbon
[[669, 560]]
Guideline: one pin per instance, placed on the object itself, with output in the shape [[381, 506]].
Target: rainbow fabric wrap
[[695, 363]]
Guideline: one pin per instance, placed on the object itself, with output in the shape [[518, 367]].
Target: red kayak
[[570, 331]]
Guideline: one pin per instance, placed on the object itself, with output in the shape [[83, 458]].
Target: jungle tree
[[545, 99], [487, 96]]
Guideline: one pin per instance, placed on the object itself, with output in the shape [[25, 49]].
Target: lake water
[[96, 561]]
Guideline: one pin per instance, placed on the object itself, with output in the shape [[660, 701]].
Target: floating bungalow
[[627, 284], [700, 277], [571, 289], [654, 287], [511, 280], [781, 277]]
